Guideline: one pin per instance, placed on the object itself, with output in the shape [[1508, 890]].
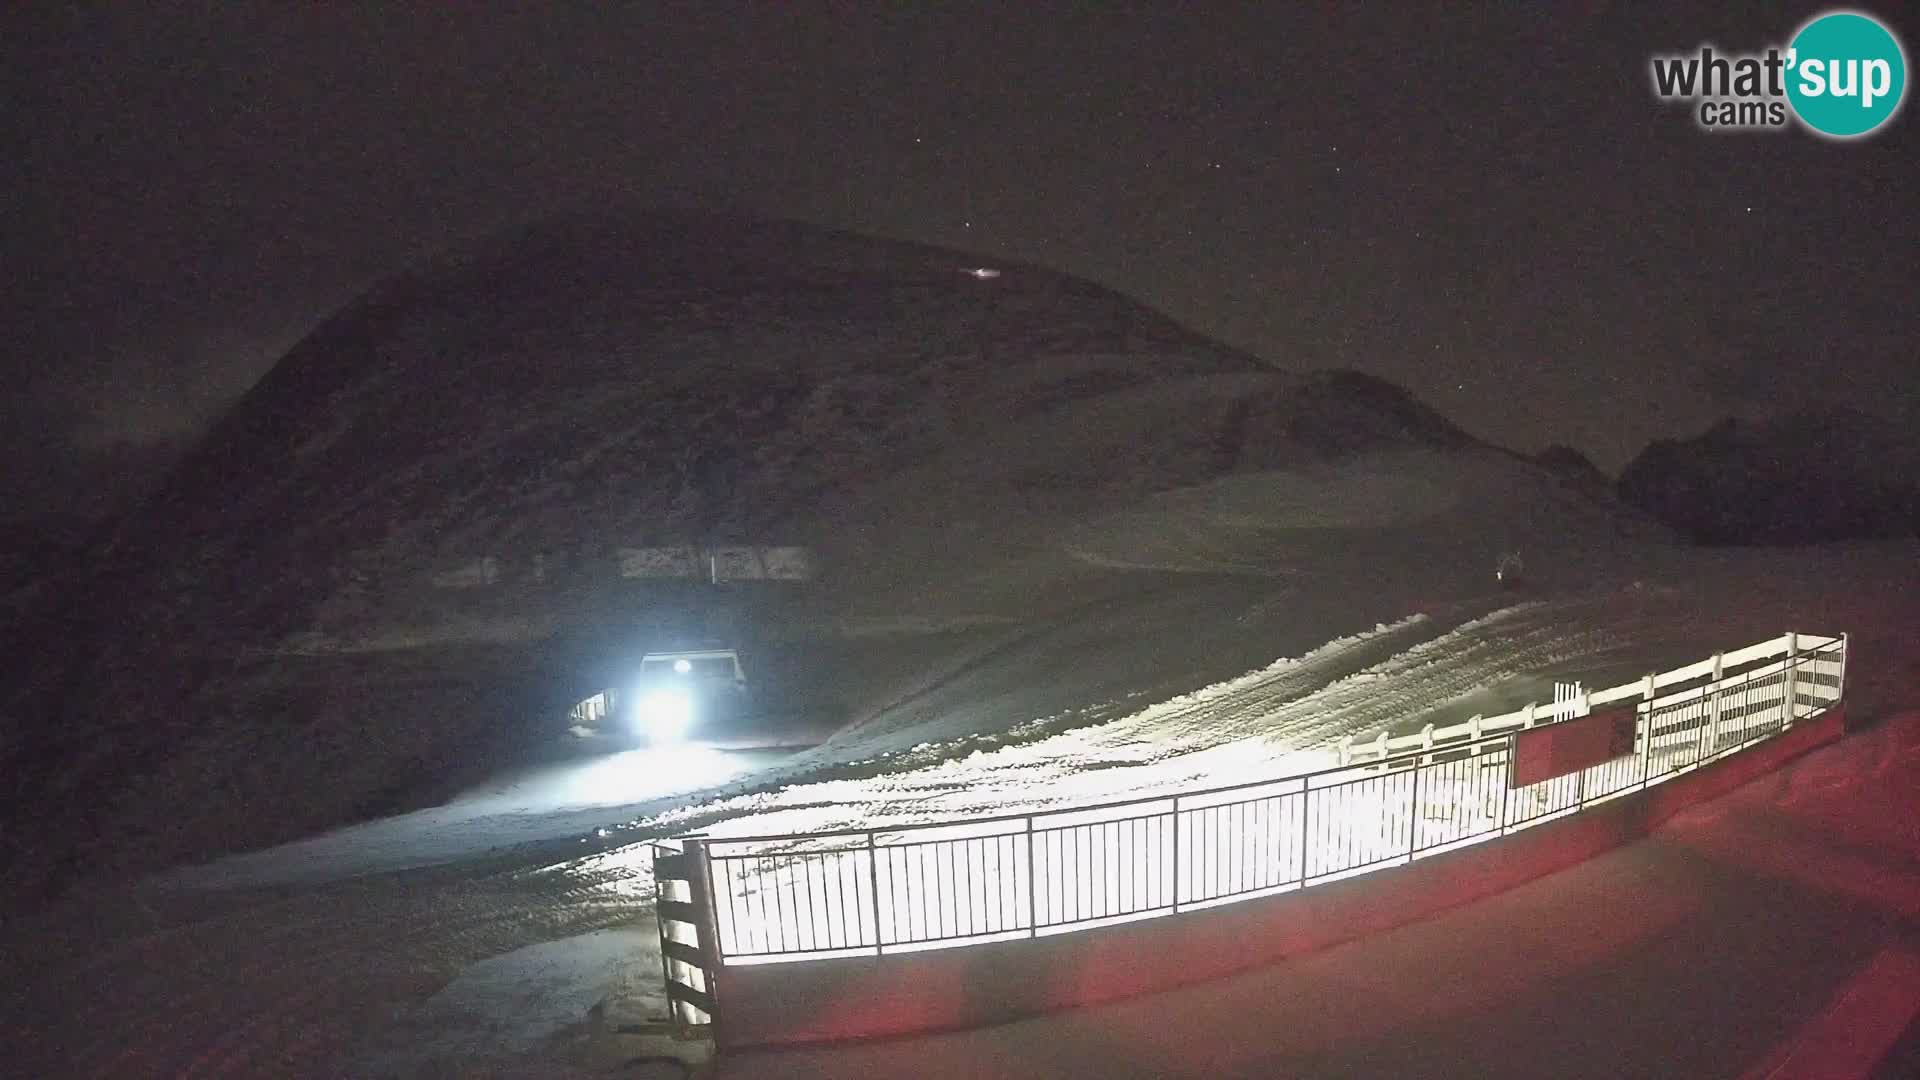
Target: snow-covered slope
[[307, 960], [1008, 470]]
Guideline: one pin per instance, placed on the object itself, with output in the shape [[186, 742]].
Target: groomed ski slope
[[322, 958], [1281, 718]]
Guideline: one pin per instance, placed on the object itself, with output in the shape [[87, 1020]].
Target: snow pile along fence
[[1393, 801]]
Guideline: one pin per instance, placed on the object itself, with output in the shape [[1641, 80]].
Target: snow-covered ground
[[579, 795], [477, 935], [1273, 721]]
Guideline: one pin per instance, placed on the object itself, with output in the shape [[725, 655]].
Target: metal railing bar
[[1055, 923], [796, 955], [1369, 864]]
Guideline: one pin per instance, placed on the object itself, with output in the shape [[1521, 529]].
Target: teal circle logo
[[1846, 74]]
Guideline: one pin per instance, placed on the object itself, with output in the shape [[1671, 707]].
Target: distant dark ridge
[[1810, 477], [1570, 463]]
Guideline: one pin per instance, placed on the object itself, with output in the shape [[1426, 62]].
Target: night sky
[[1488, 207]]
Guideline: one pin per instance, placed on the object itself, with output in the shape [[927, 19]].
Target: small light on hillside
[[983, 273]]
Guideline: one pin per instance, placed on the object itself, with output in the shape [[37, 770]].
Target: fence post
[[873, 888], [1580, 777], [1500, 826], [1787, 709], [1176, 847], [1346, 751], [1526, 715], [1645, 730], [1713, 707], [1413, 804], [700, 884], [1306, 804], [660, 924], [1648, 696], [1033, 886], [700, 894], [1840, 691]]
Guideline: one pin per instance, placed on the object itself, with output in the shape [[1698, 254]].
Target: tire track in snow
[[1265, 723]]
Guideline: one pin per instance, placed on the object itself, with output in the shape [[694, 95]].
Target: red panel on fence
[[1543, 753]]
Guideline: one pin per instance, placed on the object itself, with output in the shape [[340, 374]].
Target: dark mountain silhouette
[[1571, 464], [1803, 478], [260, 650]]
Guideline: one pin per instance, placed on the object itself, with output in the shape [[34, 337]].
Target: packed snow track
[[474, 938]]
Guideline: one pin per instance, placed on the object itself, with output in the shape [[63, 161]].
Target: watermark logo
[[1851, 74], [1844, 75]]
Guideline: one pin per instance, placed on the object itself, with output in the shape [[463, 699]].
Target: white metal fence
[[1392, 800]]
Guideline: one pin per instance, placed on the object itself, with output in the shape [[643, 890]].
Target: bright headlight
[[663, 716]]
